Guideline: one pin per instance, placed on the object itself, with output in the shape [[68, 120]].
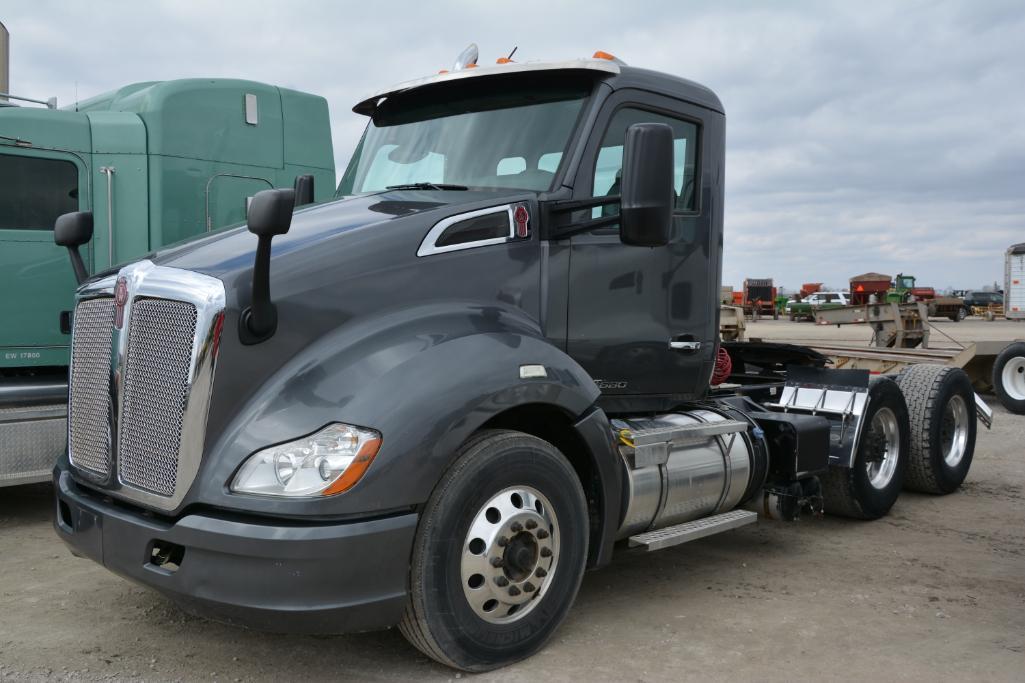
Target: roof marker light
[[604, 55]]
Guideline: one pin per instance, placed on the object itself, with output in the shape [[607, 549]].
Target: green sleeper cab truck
[[155, 163]]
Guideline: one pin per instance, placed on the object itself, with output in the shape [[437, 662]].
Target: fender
[[426, 378]]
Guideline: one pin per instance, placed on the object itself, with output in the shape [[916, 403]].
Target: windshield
[[506, 133]]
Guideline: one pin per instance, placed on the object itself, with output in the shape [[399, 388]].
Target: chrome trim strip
[[984, 412], [428, 246]]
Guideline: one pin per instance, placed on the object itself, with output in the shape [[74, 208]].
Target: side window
[[395, 166], [609, 164], [33, 192]]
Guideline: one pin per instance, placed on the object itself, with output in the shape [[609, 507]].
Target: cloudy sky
[[861, 136]]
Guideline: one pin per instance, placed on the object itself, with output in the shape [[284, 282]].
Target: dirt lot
[[934, 590]]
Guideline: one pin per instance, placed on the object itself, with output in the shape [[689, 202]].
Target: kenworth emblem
[[120, 299]]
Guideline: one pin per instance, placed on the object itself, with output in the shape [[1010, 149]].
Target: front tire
[[869, 488], [941, 406], [499, 553]]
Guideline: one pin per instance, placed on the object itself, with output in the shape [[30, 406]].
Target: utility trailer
[[483, 369]]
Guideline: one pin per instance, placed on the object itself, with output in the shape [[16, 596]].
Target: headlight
[[322, 464]]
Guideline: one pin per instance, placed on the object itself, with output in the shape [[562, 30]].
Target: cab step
[[692, 531]]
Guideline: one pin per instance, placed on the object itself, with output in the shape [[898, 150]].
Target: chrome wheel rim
[[885, 448], [954, 431], [1013, 378], [510, 554]]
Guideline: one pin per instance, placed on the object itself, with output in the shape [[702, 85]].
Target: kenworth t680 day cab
[[155, 163], [435, 401]]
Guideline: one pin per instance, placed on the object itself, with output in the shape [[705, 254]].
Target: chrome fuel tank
[[703, 474]]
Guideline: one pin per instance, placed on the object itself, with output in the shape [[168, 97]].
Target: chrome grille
[[156, 388], [89, 405]]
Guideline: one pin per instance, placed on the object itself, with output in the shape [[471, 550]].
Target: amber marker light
[[354, 472]]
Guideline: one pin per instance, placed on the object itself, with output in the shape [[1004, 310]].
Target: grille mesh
[[89, 405], [156, 385]]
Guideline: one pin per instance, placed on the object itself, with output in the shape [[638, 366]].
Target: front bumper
[[328, 578]]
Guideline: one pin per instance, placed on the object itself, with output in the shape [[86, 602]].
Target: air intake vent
[[89, 406], [156, 389]]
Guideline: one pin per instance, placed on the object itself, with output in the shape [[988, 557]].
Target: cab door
[[36, 279], [640, 320]]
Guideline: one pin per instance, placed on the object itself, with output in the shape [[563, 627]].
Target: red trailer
[[865, 285]]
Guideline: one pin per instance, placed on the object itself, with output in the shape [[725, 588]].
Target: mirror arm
[[81, 274], [576, 204], [577, 228], [260, 319]]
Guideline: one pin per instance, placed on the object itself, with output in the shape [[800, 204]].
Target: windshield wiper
[[426, 186]]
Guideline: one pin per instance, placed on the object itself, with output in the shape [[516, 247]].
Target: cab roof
[[615, 73]]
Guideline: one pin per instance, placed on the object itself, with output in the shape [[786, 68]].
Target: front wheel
[[869, 488], [499, 553]]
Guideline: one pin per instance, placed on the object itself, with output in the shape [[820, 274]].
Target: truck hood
[[231, 251]]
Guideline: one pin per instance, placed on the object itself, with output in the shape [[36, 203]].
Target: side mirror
[[647, 196], [72, 230], [270, 214], [303, 189]]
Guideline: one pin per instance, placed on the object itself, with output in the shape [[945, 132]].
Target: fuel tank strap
[[652, 446]]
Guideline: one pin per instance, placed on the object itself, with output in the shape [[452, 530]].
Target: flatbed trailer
[[977, 359]]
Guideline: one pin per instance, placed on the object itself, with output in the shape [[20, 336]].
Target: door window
[[609, 164], [34, 191]]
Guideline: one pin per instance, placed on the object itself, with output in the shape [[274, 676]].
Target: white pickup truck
[[806, 308]]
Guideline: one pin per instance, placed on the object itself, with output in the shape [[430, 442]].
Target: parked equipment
[[760, 297], [150, 163], [1014, 282], [439, 399], [864, 286]]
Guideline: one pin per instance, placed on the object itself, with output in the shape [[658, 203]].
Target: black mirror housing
[[270, 212], [647, 196], [303, 190], [73, 229]]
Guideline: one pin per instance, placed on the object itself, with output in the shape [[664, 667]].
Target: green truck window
[[610, 157], [34, 191]]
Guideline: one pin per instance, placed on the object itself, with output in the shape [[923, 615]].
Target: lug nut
[[529, 587], [496, 562], [514, 591], [541, 573], [542, 533], [502, 541], [516, 527], [501, 581], [545, 552], [531, 524]]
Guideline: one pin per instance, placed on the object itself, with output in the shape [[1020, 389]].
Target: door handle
[[684, 345]]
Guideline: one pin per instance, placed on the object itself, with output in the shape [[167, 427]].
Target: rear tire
[[869, 488], [941, 407], [1009, 377], [511, 499]]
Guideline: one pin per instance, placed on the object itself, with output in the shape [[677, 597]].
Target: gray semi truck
[[484, 368]]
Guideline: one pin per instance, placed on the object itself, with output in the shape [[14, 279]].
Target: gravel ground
[[936, 590]]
